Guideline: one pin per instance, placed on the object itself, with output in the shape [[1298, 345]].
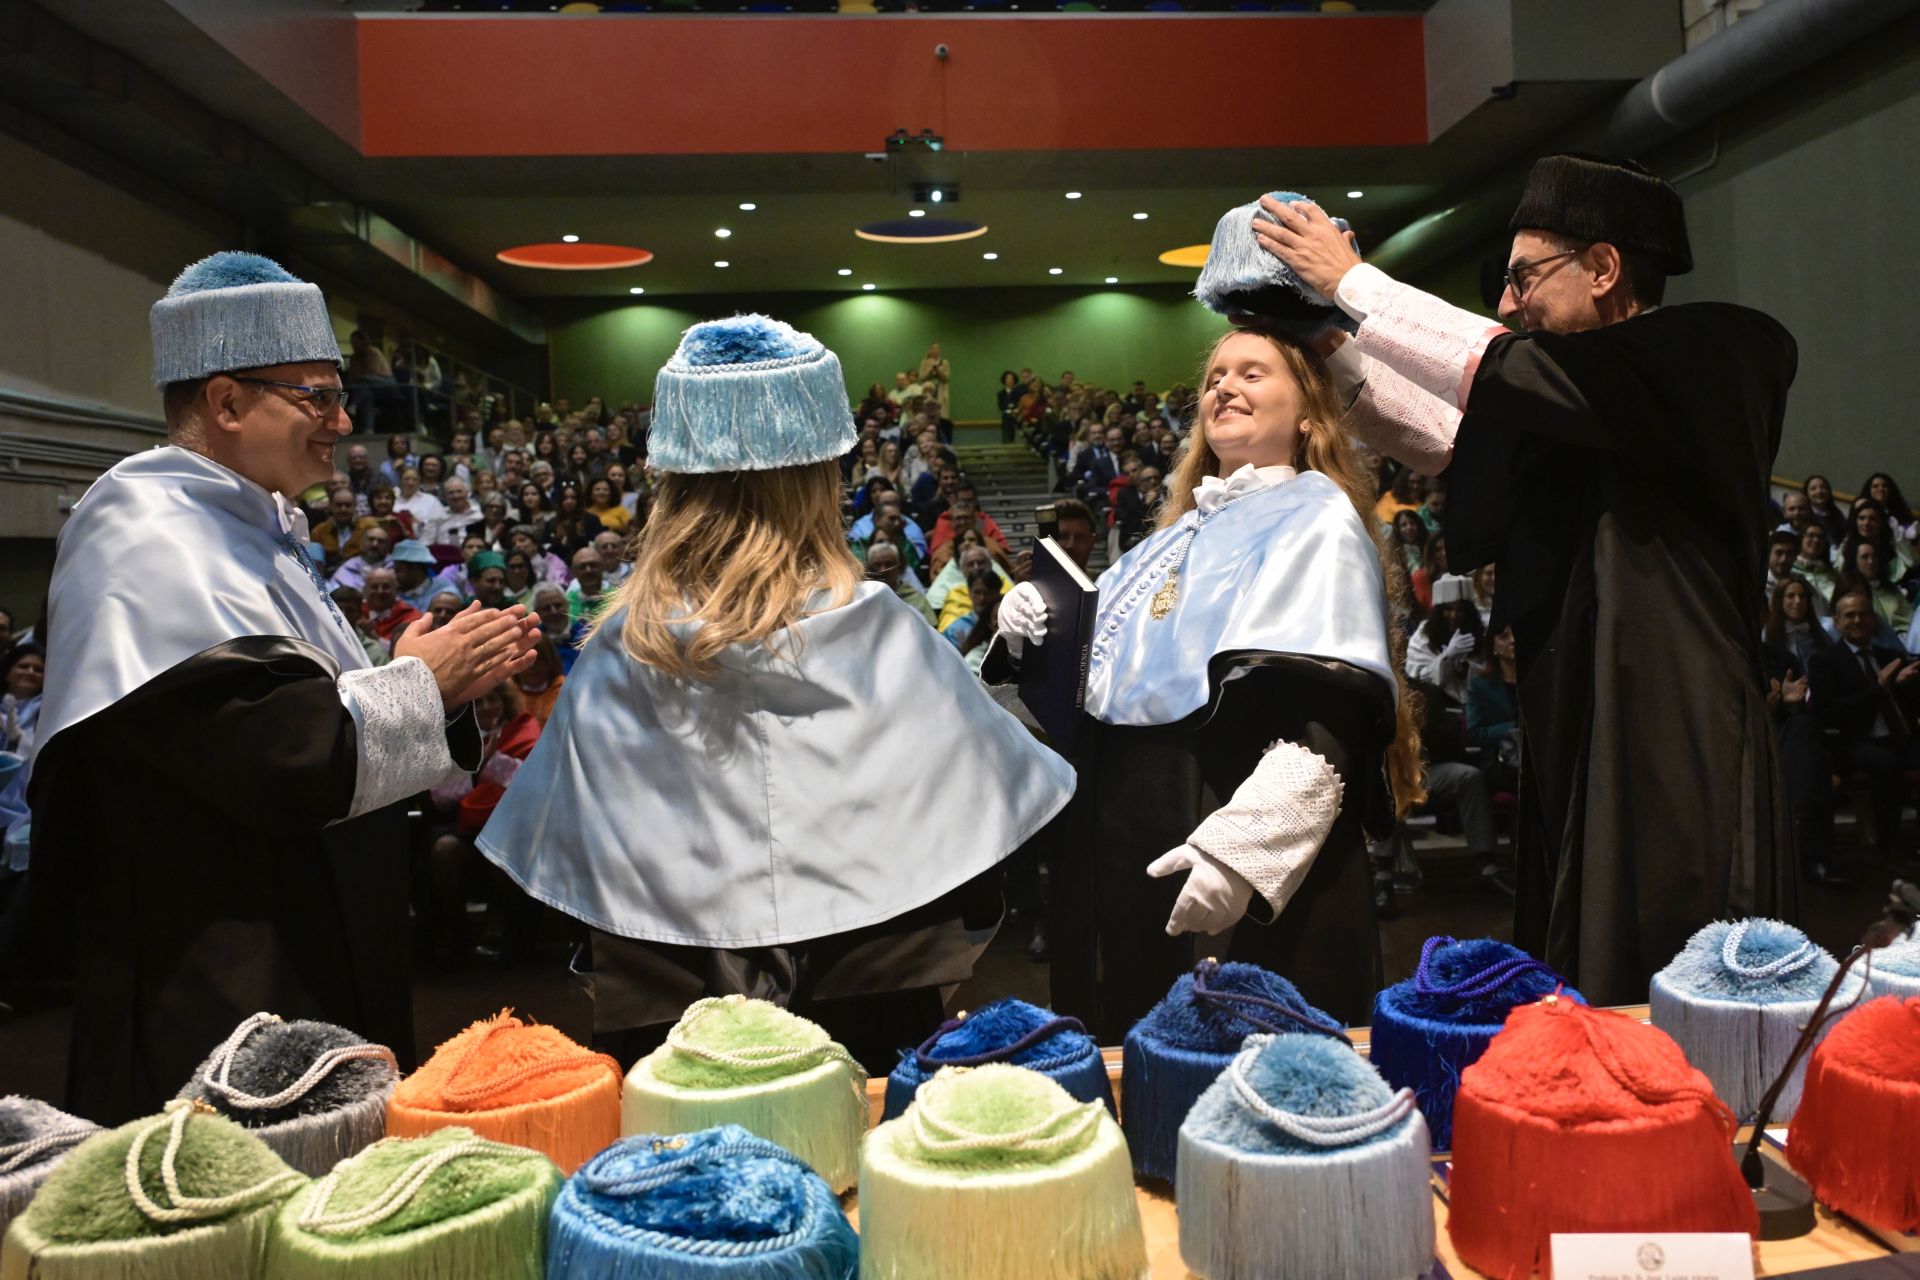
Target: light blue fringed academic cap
[[719, 1204], [749, 393], [238, 311], [1242, 278]]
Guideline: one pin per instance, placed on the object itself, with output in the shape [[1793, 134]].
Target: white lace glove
[[1272, 828], [1023, 617], [1460, 646], [1214, 897]]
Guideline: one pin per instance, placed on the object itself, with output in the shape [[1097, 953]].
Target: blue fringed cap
[[1174, 1053], [1431, 1027], [1006, 1031], [715, 1204], [749, 393], [1241, 277], [1894, 970], [1735, 999], [1301, 1160], [238, 311]]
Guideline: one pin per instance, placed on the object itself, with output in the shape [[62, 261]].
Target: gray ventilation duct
[[1760, 50]]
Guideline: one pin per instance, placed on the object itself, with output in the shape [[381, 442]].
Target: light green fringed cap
[[993, 1118], [185, 1194], [729, 1041], [450, 1204]]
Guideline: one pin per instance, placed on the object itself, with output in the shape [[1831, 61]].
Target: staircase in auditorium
[[1012, 481]]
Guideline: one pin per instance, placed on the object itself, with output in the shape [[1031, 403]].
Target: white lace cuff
[[1433, 343], [1275, 823], [403, 732], [1395, 417]]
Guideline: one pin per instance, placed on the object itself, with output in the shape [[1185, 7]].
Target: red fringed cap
[[1852, 1138], [1578, 1119]]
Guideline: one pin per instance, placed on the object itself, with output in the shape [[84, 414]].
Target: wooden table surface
[[1833, 1239]]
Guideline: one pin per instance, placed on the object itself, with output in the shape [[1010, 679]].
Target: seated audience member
[[424, 508], [1076, 535], [459, 516], [23, 674], [376, 547], [400, 456], [1408, 491], [1869, 695], [1410, 536], [1790, 638], [1493, 714], [889, 500], [614, 563], [547, 567], [1870, 523], [1866, 563], [928, 510], [487, 575], [416, 573], [380, 500], [973, 632], [588, 594], [521, 578], [1433, 566], [885, 565], [966, 497], [1782, 547], [1485, 579], [1136, 505], [607, 507], [574, 526], [1823, 510], [386, 611], [949, 593], [443, 607], [557, 623], [464, 803], [1794, 513], [1442, 649], [352, 606], [1815, 564], [340, 534], [1882, 489], [540, 683], [1433, 512]]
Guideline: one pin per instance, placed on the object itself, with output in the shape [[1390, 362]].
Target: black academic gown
[[1619, 478], [1142, 791], [188, 833]]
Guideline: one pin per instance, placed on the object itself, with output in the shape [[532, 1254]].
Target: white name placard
[[1672, 1256]]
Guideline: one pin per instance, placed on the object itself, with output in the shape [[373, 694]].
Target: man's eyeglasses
[[1520, 276], [323, 399]]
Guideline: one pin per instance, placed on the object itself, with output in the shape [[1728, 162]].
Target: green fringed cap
[[994, 1118], [451, 1203], [729, 1041]]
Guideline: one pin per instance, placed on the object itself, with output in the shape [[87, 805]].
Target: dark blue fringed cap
[[717, 1203], [1009, 1031], [1187, 1040], [1431, 1027], [1241, 277]]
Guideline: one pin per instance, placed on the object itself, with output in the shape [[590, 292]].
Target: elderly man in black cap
[[1613, 458]]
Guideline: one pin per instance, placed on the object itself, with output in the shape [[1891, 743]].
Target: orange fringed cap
[[515, 1082], [1579, 1119], [1852, 1138]]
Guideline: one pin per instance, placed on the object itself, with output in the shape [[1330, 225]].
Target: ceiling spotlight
[[1355, 195], [916, 213], [869, 287], [1113, 279], [636, 290], [990, 257], [1053, 271], [1073, 195], [936, 195], [569, 239], [1139, 217], [721, 233], [723, 264], [748, 206], [844, 271]]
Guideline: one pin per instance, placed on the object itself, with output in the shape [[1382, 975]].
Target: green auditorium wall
[[1110, 336]]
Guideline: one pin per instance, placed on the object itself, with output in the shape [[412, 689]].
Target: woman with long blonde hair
[[703, 795], [1244, 673]]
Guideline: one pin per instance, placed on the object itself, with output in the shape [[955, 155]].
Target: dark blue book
[[1053, 673]]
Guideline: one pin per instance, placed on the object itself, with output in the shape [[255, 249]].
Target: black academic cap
[[1610, 198]]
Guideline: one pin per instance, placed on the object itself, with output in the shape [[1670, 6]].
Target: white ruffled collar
[[1215, 493]]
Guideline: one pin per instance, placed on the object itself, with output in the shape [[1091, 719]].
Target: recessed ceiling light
[[1113, 279], [748, 207], [723, 263], [844, 271], [869, 287], [721, 232], [1053, 271], [916, 213], [636, 289], [1139, 217], [1073, 195], [1355, 195], [569, 239], [990, 257]]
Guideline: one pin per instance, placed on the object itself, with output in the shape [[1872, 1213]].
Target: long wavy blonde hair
[[1323, 446], [739, 553]]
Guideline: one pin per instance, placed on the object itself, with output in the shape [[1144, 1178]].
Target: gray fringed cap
[[1242, 278], [238, 311], [34, 1137], [313, 1092], [749, 393]]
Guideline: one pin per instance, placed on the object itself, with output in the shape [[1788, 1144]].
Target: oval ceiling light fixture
[[569, 239], [1073, 195], [991, 257], [1193, 255], [1113, 279], [723, 264], [916, 213], [921, 231], [1355, 195], [569, 256], [748, 206], [1053, 271], [1139, 217], [721, 233], [869, 288], [636, 290], [844, 271]]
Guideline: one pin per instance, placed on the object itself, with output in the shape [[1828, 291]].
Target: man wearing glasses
[[1613, 457], [218, 795]]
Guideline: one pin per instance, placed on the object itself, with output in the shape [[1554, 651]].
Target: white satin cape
[[793, 797], [1289, 568]]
